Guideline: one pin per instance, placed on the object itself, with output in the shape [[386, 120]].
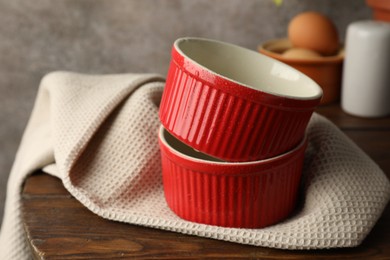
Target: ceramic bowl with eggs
[[313, 48]]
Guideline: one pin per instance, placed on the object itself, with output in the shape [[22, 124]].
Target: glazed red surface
[[381, 9], [240, 195], [226, 120]]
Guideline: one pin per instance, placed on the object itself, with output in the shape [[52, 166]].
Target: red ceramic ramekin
[[255, 194], [381, 9], [233, 103]]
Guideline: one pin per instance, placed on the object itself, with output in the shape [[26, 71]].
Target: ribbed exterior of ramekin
[[231, 197], [215, 121]]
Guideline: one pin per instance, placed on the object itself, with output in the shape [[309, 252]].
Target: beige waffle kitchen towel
[[99, 135]]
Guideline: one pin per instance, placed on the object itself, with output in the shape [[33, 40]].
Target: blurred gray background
[[103, 36]]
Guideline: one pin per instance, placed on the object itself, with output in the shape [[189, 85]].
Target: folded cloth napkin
[[99, 135]]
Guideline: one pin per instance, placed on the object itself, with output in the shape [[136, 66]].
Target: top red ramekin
[[233, 103]]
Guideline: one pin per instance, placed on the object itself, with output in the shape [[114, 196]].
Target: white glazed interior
[[248, 68], [187, 152]]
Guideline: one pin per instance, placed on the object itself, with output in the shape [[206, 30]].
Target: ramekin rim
[[291, 152], [318, 89]]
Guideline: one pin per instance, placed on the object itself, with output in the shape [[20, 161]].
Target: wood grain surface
[[59, 227]]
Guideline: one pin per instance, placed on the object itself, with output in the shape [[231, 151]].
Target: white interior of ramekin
[[182, 150], [248, 68]]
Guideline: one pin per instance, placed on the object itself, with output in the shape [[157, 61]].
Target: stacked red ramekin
[[232, 139]]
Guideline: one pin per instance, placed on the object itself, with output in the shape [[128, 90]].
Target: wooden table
[[59, 227]]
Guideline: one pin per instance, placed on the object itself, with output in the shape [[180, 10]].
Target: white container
[[366, 74]]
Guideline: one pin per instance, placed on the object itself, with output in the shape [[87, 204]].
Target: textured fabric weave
[[98, 133]]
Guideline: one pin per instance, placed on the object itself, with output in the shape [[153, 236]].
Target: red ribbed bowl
[[233, 103], [255, 194]]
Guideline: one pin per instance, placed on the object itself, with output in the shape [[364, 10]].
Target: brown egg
[[314, 31], [301, 54]]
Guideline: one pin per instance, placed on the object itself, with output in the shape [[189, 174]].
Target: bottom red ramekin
[[252, 194]]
